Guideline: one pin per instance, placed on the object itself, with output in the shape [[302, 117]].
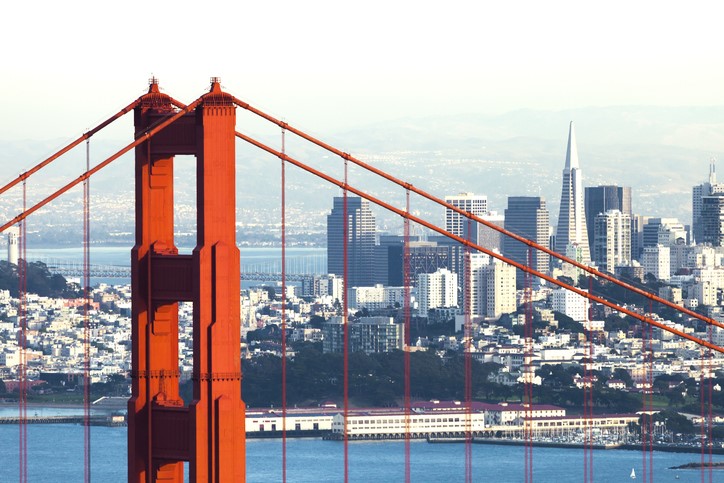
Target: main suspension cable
[[85, 136], [477, 247], [139, 140], [480, 220]]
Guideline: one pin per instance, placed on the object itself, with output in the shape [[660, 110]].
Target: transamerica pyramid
[[571, 235]]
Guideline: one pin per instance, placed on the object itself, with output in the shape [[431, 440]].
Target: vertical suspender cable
[[406, 344], [22, 343], [709, 420], [702, 397], [345, 323], [467, 347], [147, 348], [284, 316], [86, 321], [588, 395], [650, 384], [528, 372]]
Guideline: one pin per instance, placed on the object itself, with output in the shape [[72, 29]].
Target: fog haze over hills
[[661, 152]]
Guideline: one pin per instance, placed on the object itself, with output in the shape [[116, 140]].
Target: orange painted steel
[[477, 247], [162, 431], [466, 214], [85, 136]]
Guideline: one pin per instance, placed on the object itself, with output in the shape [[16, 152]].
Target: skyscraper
[[571, 227], [528, 217], [612, 239], [708, 188], [459, 225], [361, 232], [600, 199], [456, 223], [712, 220]]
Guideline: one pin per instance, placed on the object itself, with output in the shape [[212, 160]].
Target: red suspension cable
[[480, 248], [143, 137], [467, 347], [70, 146], [22, 345], [86, 323], [710, 421], [528, 372], [345, 322], [493, 226], [588, 396], [284, 316], [406, 349]]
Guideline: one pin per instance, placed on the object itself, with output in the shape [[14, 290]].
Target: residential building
[[656, 261], [612, 239], [436, 290]]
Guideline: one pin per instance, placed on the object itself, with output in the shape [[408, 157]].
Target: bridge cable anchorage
[[284, 318], [85, 136], [167, 122], [480, 248], [406, 335], [460, 211], [345, 320]]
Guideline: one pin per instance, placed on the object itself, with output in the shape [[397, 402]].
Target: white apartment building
[[377, 297], [612, 239], [498, 289], [656, 261], [436, 290], [570, 303]]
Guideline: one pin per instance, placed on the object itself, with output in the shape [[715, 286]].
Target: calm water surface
[[55, 455]]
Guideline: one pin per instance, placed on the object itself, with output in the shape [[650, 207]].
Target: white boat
[[633, 474]]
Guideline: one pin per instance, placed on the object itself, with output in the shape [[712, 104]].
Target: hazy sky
[[330, 64]]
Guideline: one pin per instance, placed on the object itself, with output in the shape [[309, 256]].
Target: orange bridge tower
[[162, 431]]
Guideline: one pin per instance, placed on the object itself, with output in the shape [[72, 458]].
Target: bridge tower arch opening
[[162, 431]]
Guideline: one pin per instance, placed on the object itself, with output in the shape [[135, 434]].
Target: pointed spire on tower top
[[712, 171], [572, 151]]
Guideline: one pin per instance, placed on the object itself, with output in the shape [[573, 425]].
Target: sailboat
[[633, 474]]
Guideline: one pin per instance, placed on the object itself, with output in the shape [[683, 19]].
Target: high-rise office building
[[663, 231], [710, 187], [571, 227], [456, 223], [600, 199], [361, 233], [425, 257], [461, 226], [612, 239], [712, 220], [528, 217]]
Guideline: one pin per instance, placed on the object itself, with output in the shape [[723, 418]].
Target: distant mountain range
[[661, 152]]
